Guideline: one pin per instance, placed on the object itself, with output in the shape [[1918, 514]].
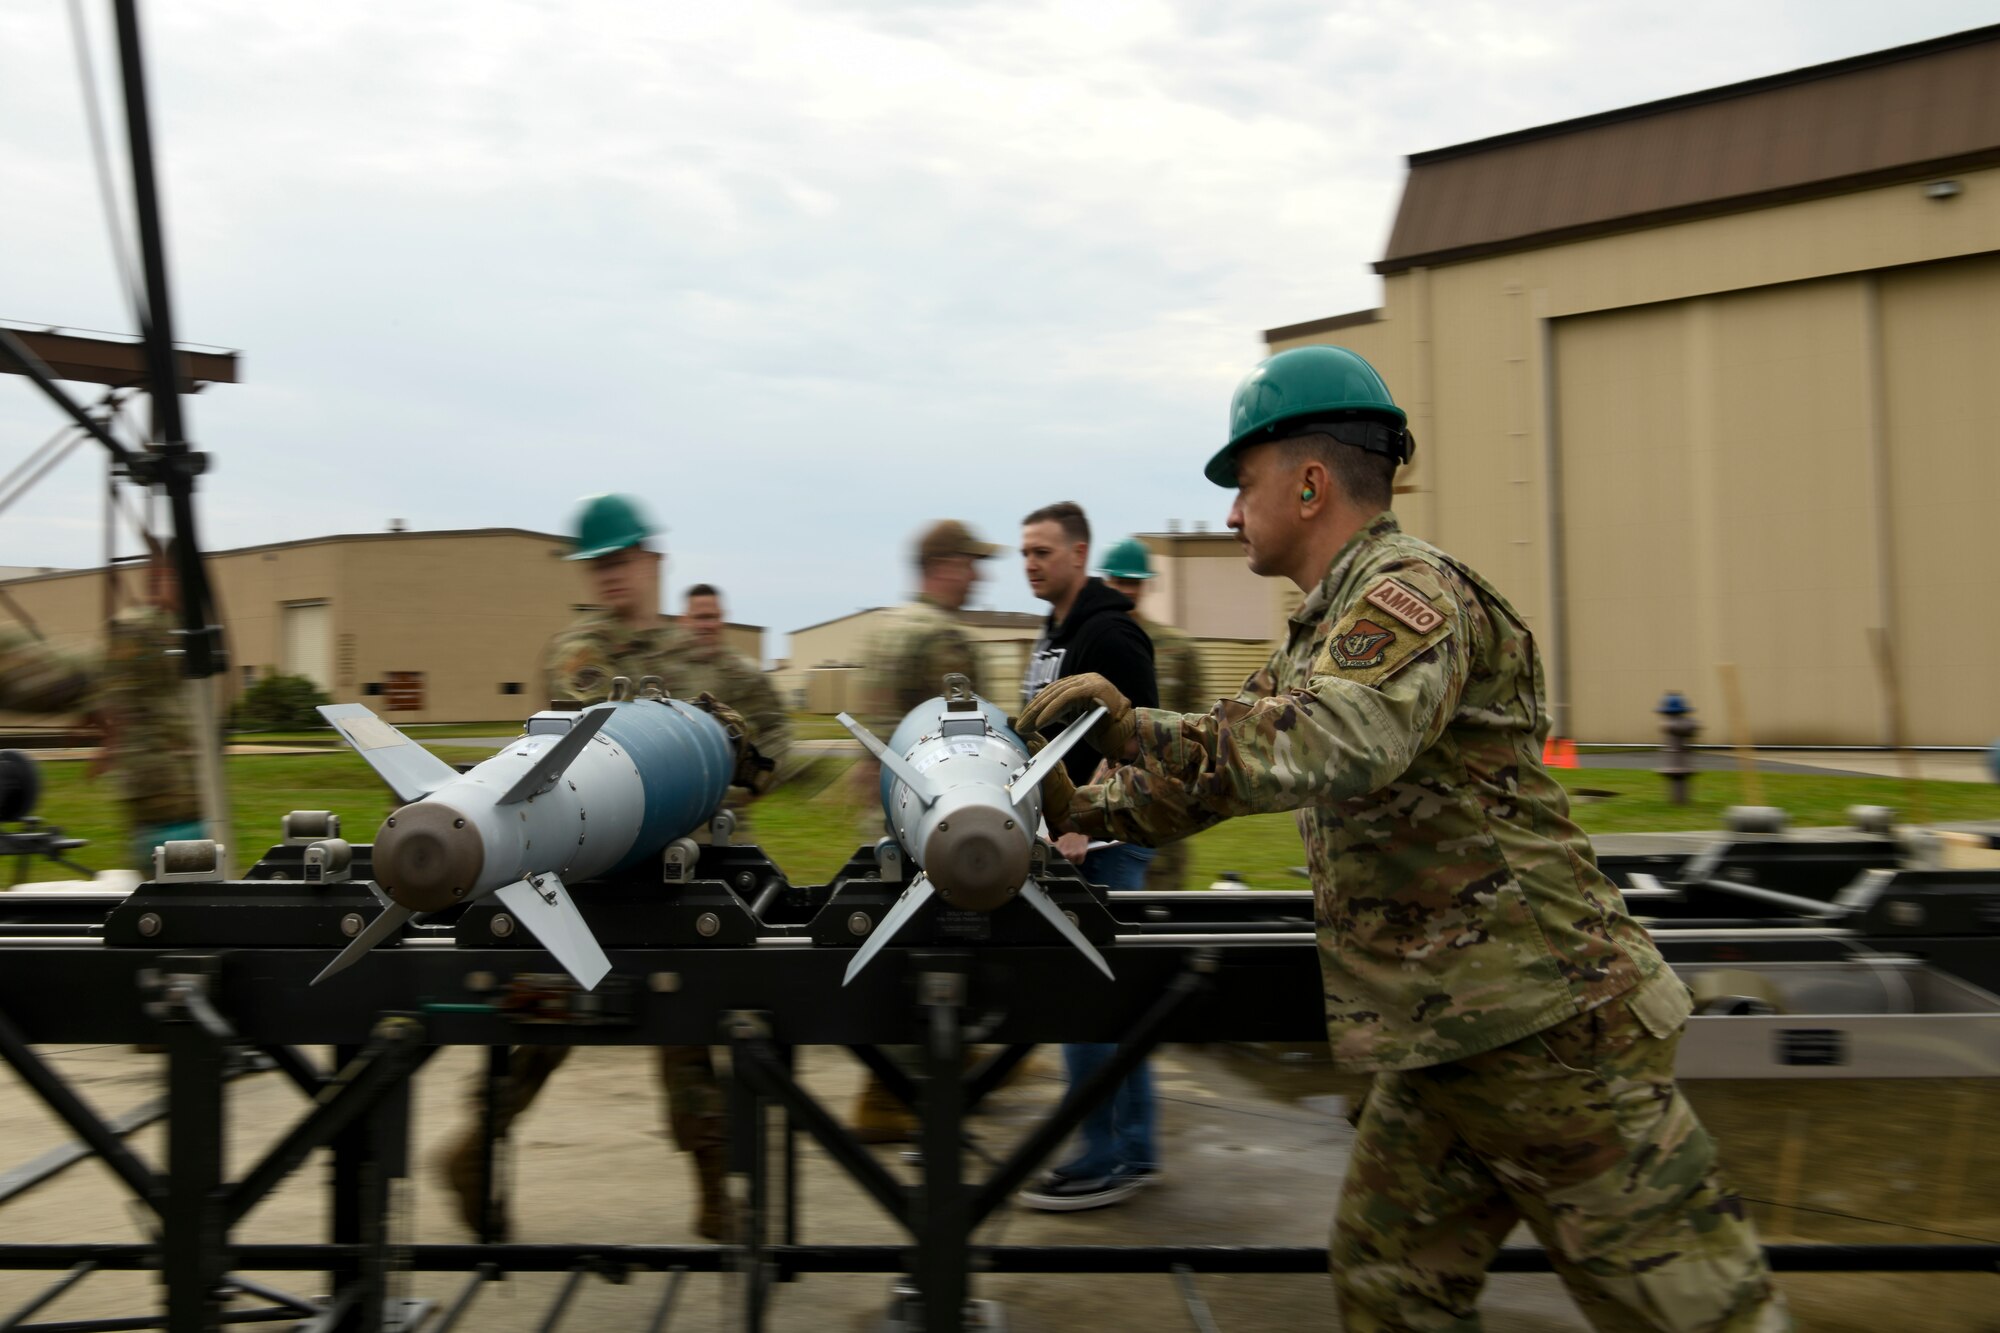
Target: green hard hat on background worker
[[1129, 559], [608, 523], [1319, 388]]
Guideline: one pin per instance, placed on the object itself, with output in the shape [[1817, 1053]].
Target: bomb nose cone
[[977, 857], [428, 856]]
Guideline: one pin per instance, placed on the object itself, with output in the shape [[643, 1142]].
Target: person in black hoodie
[[1090, 629]]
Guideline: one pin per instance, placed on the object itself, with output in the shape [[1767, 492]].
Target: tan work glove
[[753, 770], [1056, 788], [1073, 696]]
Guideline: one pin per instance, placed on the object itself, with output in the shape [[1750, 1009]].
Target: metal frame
[[1189, 967], [361, 1112], [205, 1005]]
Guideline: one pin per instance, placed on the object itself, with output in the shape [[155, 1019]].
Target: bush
[[279, 703]]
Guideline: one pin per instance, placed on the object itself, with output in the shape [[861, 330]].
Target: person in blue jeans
[[1119, 1155], [1089, 629]]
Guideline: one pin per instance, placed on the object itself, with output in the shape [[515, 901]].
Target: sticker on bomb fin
[[1364, 645], [1405, 604]]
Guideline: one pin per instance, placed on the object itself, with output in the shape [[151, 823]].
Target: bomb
[[962, 794], [578, 795]]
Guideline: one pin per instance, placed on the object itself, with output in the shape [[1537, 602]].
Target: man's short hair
[[1368, 478], [704, 590], [1066, 514]]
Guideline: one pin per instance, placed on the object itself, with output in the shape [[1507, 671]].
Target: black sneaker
[[1058, 1192]]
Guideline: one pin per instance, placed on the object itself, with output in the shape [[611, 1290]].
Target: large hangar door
[[1941, 412], [308, 642], [1718, 507], [1627, 495]]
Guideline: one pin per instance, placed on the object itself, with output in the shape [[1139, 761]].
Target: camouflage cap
[[951, 537]]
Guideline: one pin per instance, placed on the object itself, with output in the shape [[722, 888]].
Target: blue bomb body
[[578, 795]]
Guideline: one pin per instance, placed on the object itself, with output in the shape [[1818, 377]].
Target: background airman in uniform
[[630, 638], [35, 678], [918, 645], [714, 668], [148, 736]]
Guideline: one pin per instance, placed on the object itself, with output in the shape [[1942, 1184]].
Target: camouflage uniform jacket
[[918, 645], [35, 678], [1458, 907], [742, 684], [584, 659], [142, 696], [1177, 667]]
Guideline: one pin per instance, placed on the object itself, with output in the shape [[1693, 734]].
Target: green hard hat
[[1129, 559], [1319, 386], [608, 523]]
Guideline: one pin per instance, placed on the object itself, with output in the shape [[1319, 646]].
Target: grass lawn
[[262, 789], [818, 727], [811, 824], [327, 736], [805, 726]]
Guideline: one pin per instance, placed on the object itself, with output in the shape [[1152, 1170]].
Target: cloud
[[803, 275]]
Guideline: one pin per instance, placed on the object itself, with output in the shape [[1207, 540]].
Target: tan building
[[1709, 381], [1202, 585], [420, 626], [823, 674]]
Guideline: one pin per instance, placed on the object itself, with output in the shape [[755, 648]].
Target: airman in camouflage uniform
[[1176, 663], [148, 736], [585, 658], [35, 678], [1523, 1027], [922, 641], [914, 648], [1177, 668], [737, 680], [917, 645], [629, 638]]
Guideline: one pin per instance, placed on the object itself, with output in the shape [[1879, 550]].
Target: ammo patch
[[1364, 644], [1366, 649], [1405, 604]]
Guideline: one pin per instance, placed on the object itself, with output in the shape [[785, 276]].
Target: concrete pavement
[[1248, 1162], [1255, 1145]]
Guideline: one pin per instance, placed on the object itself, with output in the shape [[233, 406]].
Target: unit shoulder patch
[[1367, 646], [1405, 604], [1364, 644]]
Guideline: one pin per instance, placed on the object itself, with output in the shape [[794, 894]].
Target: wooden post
[[1892, 707], [1739, 730]]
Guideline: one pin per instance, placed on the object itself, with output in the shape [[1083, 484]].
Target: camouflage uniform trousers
[[697, 1109], [1580, 1131]]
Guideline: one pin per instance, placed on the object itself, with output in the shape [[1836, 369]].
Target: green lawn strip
[[422, 731], [805, 726], [262, 790], [1639, 803], [811, 825], [818, 727], [1263, 849]]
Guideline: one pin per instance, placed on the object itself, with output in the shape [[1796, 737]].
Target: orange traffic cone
[[1559, 752]]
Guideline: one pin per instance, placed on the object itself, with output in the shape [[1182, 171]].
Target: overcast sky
[[803, 276]]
